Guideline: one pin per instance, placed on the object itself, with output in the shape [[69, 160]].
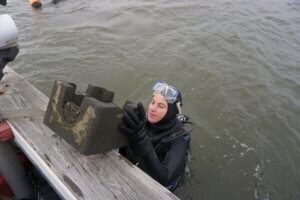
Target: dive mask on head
[[169, 93]]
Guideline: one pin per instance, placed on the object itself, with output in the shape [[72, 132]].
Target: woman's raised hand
[[133, 122]]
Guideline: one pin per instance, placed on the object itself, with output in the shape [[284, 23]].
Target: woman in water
[[158, 143]]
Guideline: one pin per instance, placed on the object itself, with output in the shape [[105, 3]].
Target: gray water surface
[[236, 62]]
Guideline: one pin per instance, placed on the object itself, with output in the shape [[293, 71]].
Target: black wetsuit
[[162, 155]]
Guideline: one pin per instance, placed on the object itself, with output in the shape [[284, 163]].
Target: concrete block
[[88, 121]]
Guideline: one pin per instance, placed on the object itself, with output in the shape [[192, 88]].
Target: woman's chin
[[152, 120]]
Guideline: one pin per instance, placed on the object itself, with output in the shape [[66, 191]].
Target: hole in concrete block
[[70, 111]]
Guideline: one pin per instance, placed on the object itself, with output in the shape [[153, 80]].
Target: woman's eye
[[161, 106]]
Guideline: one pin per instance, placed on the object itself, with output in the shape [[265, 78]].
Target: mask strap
[[179, 107]]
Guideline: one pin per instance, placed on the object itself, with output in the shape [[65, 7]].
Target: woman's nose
[[153, 108]]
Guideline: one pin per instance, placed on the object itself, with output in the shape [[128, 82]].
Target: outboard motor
[[8, 41]]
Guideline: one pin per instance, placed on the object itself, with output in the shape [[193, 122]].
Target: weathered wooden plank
[[73, 175]]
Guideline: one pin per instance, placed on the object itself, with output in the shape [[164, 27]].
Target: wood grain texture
[[73, 175]]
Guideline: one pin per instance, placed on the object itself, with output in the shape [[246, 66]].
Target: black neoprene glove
[[134, 121]]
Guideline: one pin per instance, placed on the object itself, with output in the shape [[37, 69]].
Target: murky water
[[236, 62]]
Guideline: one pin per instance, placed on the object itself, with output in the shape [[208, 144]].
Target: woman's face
[[157, 109]]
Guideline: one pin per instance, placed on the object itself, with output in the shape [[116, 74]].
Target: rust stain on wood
[[4, 89]]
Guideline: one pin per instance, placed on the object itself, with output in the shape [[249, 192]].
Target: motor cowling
[[8, 41]]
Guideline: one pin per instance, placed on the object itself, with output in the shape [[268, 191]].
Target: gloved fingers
[[128, 122], [141, 134], [141, 111], [133, 115], [136, 111], [125, 130]]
